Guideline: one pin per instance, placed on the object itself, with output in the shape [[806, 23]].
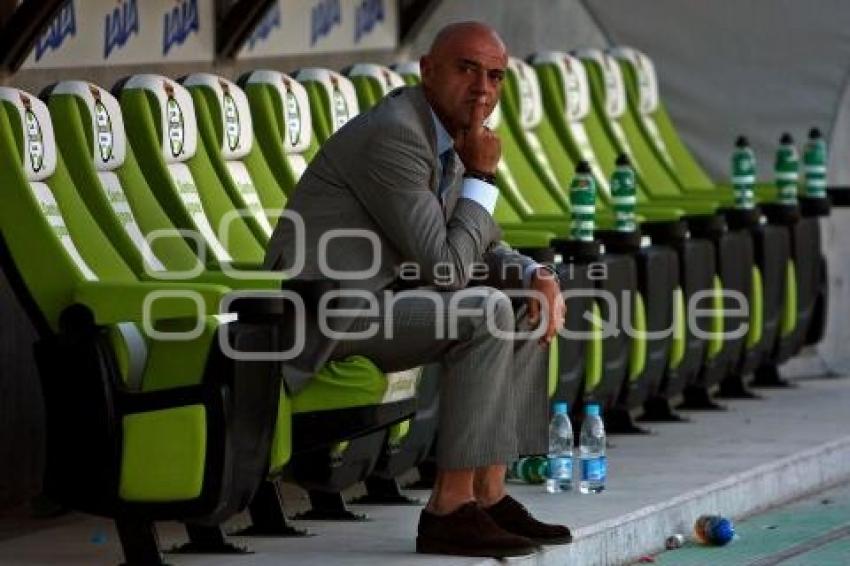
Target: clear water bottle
[[559, 469], [594, 466]]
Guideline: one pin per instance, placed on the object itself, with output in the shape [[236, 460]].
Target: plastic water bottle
[[787, 171], [714, 530], [528, 469], [814, 165], [594, 466], [559, 471], [583, 203], [623, 195], [743, 174]]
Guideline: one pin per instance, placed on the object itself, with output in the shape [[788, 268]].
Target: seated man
[[409, 189]]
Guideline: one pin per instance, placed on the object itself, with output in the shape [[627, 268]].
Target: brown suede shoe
[[468, 531], [512, 516]]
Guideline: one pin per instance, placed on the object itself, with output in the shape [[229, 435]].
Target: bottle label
[[594, 469], [560, 468]]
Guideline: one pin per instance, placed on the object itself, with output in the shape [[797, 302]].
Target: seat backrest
[[283, 124], [49, 236], [89, 128], [409, 72], [226, 127], [644, 99], [372, 82], [333, 100], [566, 100], [522, 105], [542, 143], [620, 124], [160, 118]]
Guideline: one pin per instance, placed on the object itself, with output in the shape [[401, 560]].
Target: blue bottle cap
[[592, 410], [561, 408], [722, 531]]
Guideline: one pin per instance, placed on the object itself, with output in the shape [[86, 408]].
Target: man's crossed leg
[[493, 406]]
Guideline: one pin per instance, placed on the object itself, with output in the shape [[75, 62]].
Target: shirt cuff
[[483, 193]]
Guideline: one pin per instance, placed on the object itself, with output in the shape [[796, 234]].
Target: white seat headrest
[[339, 90], [386, 78], [530, 102], [612, 77], [573, 79], [295, 106], [235, 128], [646, 77], [109, 140], [39, 156], [176, 115], [408, 68]]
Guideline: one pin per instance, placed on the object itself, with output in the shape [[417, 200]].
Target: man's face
[[465, 71]]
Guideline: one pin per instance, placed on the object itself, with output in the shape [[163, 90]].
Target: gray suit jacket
[[378, 175]]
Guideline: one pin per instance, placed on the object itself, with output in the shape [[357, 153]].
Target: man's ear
[[424, 66]]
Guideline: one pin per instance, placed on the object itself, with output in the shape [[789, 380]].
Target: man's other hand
[[546, 283], [479, 148]]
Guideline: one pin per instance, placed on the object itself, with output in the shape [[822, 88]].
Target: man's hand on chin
[[553, 310]]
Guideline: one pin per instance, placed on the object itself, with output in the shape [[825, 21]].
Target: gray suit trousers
[[493, 387]]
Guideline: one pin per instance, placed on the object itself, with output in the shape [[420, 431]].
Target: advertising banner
[[104, 32], [297, 27]]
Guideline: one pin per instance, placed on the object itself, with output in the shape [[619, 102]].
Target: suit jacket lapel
[[423, 113]]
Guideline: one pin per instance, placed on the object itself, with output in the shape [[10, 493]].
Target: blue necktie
[[446, 177]]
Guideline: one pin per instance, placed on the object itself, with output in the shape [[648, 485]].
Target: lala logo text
[[179, 23], [323, 18], [63, 25], [120, 24], [269, 22], [367, 15]]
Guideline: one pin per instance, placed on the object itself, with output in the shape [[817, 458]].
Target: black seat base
[[321, 429]]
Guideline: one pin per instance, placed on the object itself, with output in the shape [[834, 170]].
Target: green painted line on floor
[[834, 554], [803, 547]]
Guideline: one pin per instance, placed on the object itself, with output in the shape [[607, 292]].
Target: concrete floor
[[756, 454]]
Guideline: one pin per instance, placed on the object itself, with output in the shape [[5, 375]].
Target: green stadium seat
[[224, 121], [372, 82], [282, 124], [325, 473], [613, 119], [163, 132], [770, 242], [786, 326], [581, 130], [543, 146], [141, 427], [334, 94], [658, 270], [123, 204]]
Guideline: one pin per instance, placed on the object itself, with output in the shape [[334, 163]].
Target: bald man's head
[[447, 37], [465, 66]]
